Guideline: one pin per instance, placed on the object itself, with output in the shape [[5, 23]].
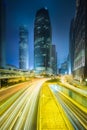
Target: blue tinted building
[[42, 41], [23, 48], [2, 33]]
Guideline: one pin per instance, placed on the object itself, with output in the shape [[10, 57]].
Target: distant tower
[[2, 33], [42, 41], [23, 48], [53, 59], [71, 47]]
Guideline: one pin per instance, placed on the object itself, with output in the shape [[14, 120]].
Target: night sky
[[22, 12]]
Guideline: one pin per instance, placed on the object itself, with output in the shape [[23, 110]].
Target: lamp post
[[86, 81]]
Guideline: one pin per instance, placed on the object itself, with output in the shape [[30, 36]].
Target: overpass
[[9, 75]]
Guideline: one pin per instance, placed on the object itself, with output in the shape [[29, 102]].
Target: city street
[[22, 113], [50, 113], [77, 117], [43, 65], [36, 106]]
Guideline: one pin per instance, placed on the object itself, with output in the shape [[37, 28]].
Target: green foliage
[[54, 80]]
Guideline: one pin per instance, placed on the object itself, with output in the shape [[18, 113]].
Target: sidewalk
[[50, 114]]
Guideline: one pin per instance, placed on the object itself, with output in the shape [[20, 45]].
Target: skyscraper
[[53, 60], [80, 55], [42, 41], [23, 48], [71, 47], [2, 33]]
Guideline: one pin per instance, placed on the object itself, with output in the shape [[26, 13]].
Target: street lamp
[[86, 81]]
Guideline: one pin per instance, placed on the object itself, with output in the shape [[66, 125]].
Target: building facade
[[42, 41], [64, 68], [80, 55], [23, 48], [2, 33], [71, 48], [53, 60]]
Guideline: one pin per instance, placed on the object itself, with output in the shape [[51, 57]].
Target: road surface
[[22, 113], [77, 117]]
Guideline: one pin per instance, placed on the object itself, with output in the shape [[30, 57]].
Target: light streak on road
[[77, 117], [21, 114], [7, 92]]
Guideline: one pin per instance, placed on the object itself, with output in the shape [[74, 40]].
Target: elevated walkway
[[50, 113]]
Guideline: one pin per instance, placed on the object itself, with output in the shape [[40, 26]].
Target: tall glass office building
[[42, 41], [23, 48]]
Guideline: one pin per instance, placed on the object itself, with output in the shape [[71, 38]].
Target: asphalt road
[[7, 92], [77, 117], [22, 113]]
